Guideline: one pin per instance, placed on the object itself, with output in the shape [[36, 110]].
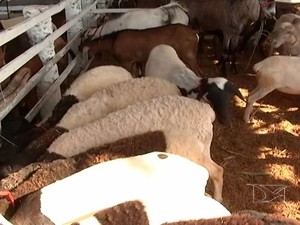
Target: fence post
[[87, 18], [37, 34], [72, 10]]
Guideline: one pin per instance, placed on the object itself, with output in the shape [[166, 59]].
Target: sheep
[[286, 33], [163, 113], [83, 87], [109, 99], [163, 62], [160, 186], [274, 73], [87, 84], [94, 79], [116, 97], [287, 17]]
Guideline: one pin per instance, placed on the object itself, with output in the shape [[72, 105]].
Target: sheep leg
[[255, 95], [233, 65], [225, 55], [216, 174], [233, 47]]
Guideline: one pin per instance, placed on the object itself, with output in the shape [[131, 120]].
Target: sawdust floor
[[261, 160]]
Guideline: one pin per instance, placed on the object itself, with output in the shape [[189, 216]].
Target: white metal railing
[[11, 67], [18, 62]]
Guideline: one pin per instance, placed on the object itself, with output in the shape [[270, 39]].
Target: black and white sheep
[[274, 73], [87, 84], [166, 114], [108, 99], [162, 187], [163, 62], [14, 156]]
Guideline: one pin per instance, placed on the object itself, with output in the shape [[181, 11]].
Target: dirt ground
[[261, 160]]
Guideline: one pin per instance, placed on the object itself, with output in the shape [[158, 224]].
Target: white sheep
[[286, 33], [83, 87], [163, 62], [115, 97], [159, 187], [94, 79], [274, 73], [164, 114]]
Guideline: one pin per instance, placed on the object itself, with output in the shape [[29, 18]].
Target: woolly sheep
[[274, 73], [287, 17], [85, 85], [286, 33], [101, 103], [161, 185], [82, 88], [164, 114], [115, 97], [163, 62], [94, 79]]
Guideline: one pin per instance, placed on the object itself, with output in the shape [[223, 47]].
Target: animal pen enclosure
[[38, 25], [264, 154]]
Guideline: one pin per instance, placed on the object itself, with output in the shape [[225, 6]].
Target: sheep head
[[219, 91], [284, 34]]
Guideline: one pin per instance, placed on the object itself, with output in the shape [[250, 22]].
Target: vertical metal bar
[[37, 34]]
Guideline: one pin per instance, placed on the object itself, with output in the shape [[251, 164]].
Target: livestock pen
[[38, 25], [258, 158]]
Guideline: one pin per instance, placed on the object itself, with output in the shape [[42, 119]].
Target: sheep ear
[[234, 90], [182, 91]]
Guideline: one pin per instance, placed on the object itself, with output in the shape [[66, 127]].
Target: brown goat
[[132, 47]]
